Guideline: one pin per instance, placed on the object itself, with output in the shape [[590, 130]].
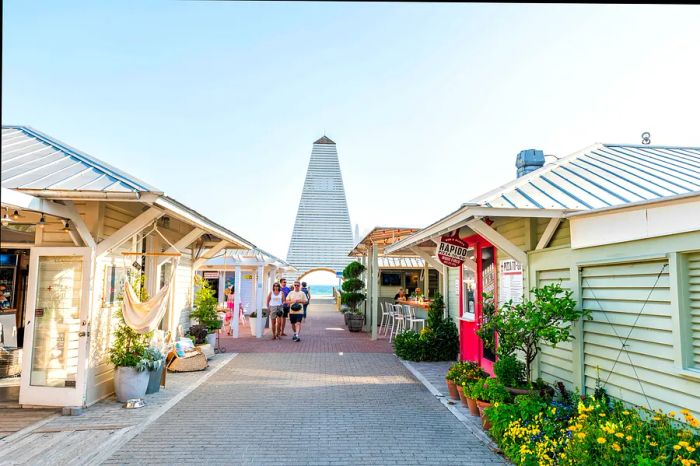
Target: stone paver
[[317, 408]]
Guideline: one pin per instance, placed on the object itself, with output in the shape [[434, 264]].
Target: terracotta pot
[[473, 408], [484, 419], [452, 388], [461, 395]]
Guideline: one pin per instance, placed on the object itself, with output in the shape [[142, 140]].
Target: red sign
[[452, 249]]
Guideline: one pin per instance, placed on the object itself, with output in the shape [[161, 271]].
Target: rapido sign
[[452, 250]]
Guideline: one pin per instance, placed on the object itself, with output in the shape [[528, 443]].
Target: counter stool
[[411, 317], [387, 317], [398, 323]]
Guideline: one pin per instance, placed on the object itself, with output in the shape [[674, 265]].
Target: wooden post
[[374, 279], [260, 322], [236, 302], [426, 279]]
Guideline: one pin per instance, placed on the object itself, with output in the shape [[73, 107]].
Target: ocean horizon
[[321, 290]]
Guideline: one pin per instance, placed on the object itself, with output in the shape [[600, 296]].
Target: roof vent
[[528, 161]]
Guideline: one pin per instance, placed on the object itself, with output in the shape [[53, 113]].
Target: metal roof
[[602, 175], [400, 262], [33, 161]]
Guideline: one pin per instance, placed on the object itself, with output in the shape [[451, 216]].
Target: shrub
[[351, 295], [439, 341], [489, 390], [205, 305], [199, 333], [510, 370]]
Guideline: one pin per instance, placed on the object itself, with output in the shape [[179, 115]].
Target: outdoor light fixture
[[42, 222], [66, 226], [15, 216], [6, 219]]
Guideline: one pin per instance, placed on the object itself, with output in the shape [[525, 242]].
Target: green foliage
[[592, 432], [464, 373], [489, 390], [526, 326], [351, 295], [153, 358], [438, 341], [353, 270], [487, 331], [205, 305], [128, 348], [198, 333], [510, 370]]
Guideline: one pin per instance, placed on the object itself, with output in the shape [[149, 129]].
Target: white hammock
[[144, 317]]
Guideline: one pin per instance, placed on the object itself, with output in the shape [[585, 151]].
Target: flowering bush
[[488, 390], [594, 432]]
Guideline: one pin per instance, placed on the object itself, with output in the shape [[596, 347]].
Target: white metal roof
[[400, 262], [33, 161], [602, 175], [237, 256], [599, 176]]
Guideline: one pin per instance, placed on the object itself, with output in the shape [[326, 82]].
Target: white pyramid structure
[[322, 236]]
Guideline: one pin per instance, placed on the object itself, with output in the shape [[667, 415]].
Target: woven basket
[[191, 362]]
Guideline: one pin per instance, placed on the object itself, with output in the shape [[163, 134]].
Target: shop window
[[391, 278], [115, 277]]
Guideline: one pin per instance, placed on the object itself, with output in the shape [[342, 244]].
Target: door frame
[[56, 396]]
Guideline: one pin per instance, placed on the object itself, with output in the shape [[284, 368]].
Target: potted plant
[[205, 309], [450, 377], [524, 327], [352, 297], [253, 319], [471, 372], [155, 362], [511, 372], [128, 355], [486, 392]]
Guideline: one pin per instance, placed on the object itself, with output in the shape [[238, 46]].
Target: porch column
[[374, 280], [426, 279], [260, 322], [222, 281], [236, 302]]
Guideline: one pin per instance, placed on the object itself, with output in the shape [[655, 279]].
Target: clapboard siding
[[182, 302], [556, 363], [562, 237], [643, 373], [115, 217], [694, 304], [513, 230]]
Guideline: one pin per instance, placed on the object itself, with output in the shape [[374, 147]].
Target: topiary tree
[[526, 326], [351, 295], [205, 305]]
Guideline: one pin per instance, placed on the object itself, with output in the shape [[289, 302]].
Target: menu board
[[510, 282]]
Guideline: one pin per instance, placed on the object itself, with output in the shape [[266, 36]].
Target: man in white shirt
[[296, 300]]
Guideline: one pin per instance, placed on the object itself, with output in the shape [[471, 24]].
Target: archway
[[321, 281]]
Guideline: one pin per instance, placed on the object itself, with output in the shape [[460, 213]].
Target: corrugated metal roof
[[34, 161], [400, 262], [231, 256], [602, 175]]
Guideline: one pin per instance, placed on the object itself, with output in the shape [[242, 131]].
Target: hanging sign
[[510, 282], [452, 249], [211, 275]]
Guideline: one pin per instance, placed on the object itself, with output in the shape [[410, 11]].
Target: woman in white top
[[275, 300]]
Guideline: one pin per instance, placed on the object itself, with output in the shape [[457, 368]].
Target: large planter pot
[[462, 397], [452, 388], [211, 339], [129, 383], [355, 323], [207, 350], [484, 419], [154, 378], [347, 317], [253, 322]]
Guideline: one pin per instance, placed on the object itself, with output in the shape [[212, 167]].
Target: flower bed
[[592, 431]]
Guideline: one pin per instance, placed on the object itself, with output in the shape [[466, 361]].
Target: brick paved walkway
[[323, 332], [360, 408]]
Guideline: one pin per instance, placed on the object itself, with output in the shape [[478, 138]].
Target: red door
[[471, 346]]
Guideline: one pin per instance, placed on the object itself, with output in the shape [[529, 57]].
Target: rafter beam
[[182, 243], [428, 258], [209, 254], [498, 240], [548, 233], [127, 231], [79, 226]]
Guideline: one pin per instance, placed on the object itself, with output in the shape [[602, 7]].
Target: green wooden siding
[[694, 305], [616, 296], [555, 363]]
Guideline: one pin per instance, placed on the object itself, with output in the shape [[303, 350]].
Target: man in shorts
[[296, 300], [285, 307]]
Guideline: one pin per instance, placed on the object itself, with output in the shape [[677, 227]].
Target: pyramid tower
[[322, 236]]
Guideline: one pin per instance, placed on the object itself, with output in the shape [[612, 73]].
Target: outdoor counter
[[422, 305]]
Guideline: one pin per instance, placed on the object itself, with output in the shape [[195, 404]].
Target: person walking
[[275, 303], [296, 300], [307, 292], [285, 307]]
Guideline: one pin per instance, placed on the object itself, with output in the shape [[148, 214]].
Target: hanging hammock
[[145, 317]]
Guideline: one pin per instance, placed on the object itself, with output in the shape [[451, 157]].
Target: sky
[[218, 103]]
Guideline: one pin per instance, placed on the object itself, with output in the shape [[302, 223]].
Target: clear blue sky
[[218, 103]]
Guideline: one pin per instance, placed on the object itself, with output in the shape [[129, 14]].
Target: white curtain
[[144, 317]]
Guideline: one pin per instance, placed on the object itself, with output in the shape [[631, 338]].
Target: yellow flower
[[628, 438], [683, 444], [626, 413], [672, 414], [676, 447], [690, 449], [616, 447], [654, 444], [685, 412], [656, 418], [685, 462], [496, 404], [581, 435], [602, 415], [619, 435], [602, 440]]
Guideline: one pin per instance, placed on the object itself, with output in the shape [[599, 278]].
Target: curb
[[478, 433]]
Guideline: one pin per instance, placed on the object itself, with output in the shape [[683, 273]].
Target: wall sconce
[[16, 215], [66, 226], [42, 222], [6, 219]]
